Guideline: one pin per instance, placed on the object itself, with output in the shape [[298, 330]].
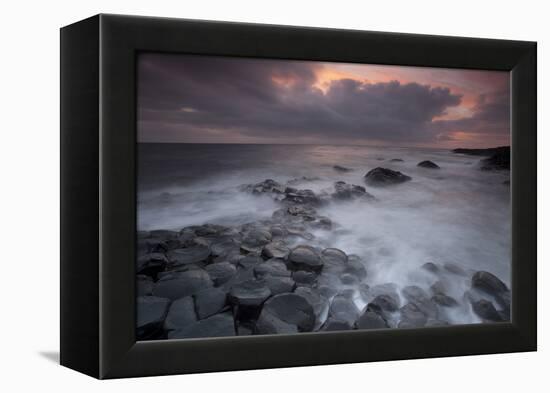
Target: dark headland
[[497, 157]]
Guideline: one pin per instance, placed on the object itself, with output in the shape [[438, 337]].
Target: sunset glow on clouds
[[200, 99]]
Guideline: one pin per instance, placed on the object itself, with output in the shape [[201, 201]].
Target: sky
[[214, 99]]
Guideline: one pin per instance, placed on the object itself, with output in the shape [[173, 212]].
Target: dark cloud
[[215, 99], [491, 116]]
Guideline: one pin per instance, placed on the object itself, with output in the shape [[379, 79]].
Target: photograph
[[280, 197]]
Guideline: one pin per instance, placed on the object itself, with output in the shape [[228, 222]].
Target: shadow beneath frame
[[52, 356]]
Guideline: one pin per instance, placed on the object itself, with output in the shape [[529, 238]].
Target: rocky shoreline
[[270, 277]]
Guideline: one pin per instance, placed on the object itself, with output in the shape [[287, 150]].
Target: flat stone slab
[[184, 284], [209, 302], [151, 311], [292, 309], [189, 255], [180, 314], [219, 325], [305, 257]]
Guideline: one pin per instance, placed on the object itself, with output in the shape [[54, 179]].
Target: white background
[[29, 219]]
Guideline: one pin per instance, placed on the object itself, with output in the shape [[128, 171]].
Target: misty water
[[455, 215]]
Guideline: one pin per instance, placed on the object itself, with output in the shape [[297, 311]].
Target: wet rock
[[341, 169], [488, 283], [190, 255], [221, 272], [436, 323], [438, 288], [306, 211], [364, 291], [209, 302], [412, 316], [327, 291], [219, 325], [151, 312], [334, 325], [288, 308], [349, 279], [144, 285], [302, 277], [247, 297], [299, 231], [396, 160], [343, 309], [302, 179], [250, 261], [499, 160], [428, 164], [306, 258], [272, 267], [276, 249], [180, 314], [334, 260], [356, 269], [389, 289], [321, 222], [183, 284], [151, 264], [314, 298], [344, 191], [421, 300], [224, 246], [244, 330], [430, 267], [163, 234], [371, 320], [486, 311], [385, 303], [444, 300], [503, 299], [277, 284], [384, 177], [270, 324], [455, 269], [302, 197], [278, 231], [268, 186], [255, 240]]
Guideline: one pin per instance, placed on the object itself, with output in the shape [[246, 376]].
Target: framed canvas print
[[297, 196]]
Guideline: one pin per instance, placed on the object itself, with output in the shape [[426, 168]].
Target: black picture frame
[[98, 195]]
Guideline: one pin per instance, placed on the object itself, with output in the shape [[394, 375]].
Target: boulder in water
[[343, 169], [276, 249], [384, 177], [343, 309], [273, 267], [255, 239], [428, 164], [345, 192], [412, 316], [305, 258], [486, 310], [488, 283]]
